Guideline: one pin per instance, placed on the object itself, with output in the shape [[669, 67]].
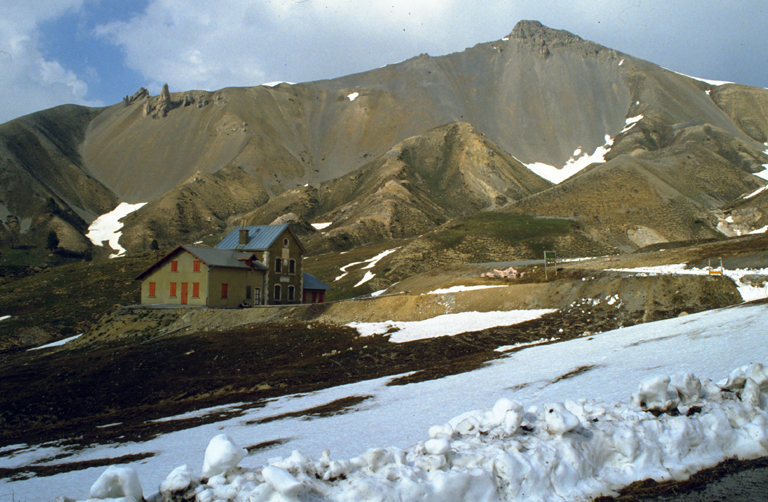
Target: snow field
[[446, 325]]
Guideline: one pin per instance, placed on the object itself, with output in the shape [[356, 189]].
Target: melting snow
[[4, 317], [276, 83], [371, 263], [630, 123], [457, 289], [56, 344], [446, 325], [321, 226], [574, 164], [353, 96], [756, 192], [107, 227], [569, 422]]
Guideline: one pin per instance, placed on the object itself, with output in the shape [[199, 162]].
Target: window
[[277, 293], [196, 266], [247, 292], [173, 289], [278, 265], [257, 296], [195, 290], [291, 293], [292, 267], [224, 290], [151, 289], [174, 266], [285, 243]]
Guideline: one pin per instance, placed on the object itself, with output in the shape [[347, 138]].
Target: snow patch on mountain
[[107, 227], [575, 164]]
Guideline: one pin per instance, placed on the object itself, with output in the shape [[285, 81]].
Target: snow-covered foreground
[[107, 227], [555, 422]]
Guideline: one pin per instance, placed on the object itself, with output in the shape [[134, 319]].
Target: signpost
[[549, 259]]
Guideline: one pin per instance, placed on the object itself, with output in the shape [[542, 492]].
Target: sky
[[95, 52]]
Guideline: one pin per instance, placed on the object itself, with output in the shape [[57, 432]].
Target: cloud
[[31, 81]]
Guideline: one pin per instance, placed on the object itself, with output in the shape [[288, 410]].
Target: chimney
[[243, 236]]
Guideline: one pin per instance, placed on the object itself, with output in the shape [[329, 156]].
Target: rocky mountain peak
[[537, 35]]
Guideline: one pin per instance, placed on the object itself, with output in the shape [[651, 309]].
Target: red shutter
[[195, 290], [173, 289], [196, 266], [151, 289], [224, 291], [174, 266]]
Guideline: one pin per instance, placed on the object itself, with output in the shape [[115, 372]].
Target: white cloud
[[31, 81]]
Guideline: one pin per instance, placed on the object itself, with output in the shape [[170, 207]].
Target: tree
[[154, 246], [52, 242]]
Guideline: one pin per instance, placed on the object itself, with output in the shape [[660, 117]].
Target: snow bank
[[353, 96], [107, 227], [740, 277], [445, 325], [321, 226], [572, 450], [4, 317], [55, 344]]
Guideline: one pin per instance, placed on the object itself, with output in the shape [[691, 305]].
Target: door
[[184, 290], [257, 296]]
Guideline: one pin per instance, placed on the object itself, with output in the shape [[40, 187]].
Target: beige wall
[[210, 282], [237, 281]]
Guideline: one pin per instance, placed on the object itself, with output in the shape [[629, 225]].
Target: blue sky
[[94, 52]]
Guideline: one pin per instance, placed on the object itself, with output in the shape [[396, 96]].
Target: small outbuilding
[[314, 289]]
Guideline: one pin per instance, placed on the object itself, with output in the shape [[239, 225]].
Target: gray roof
[[224, 257], [260, 237], [312, 282]]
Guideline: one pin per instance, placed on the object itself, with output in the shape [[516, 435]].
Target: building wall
[[163, 276], [284, 278], [237, 282]]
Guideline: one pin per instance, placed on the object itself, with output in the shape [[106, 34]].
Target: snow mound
[[575, 450], [221, 456], [121, 483]]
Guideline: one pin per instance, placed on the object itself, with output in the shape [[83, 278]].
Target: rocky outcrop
[[161, 105]]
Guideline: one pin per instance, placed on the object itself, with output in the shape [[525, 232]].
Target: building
[[314, 289], [253, 265], [277, 247], [191, 275]]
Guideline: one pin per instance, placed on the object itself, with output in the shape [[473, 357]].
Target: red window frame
[[225, 290], [152, 287], [195, 290], [174, 266], [196, 266], [173, 290]]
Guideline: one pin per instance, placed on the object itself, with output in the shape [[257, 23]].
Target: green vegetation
[[509, 228], [57, 302]]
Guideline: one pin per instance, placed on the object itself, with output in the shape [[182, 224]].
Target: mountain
[[539, 124]]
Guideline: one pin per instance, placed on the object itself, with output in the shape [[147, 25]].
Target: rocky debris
[[142, 93], [754, 280], [739, 221], [509, 273]]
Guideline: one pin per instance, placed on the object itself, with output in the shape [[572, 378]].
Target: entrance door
[[184, 290], [257, 296]]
